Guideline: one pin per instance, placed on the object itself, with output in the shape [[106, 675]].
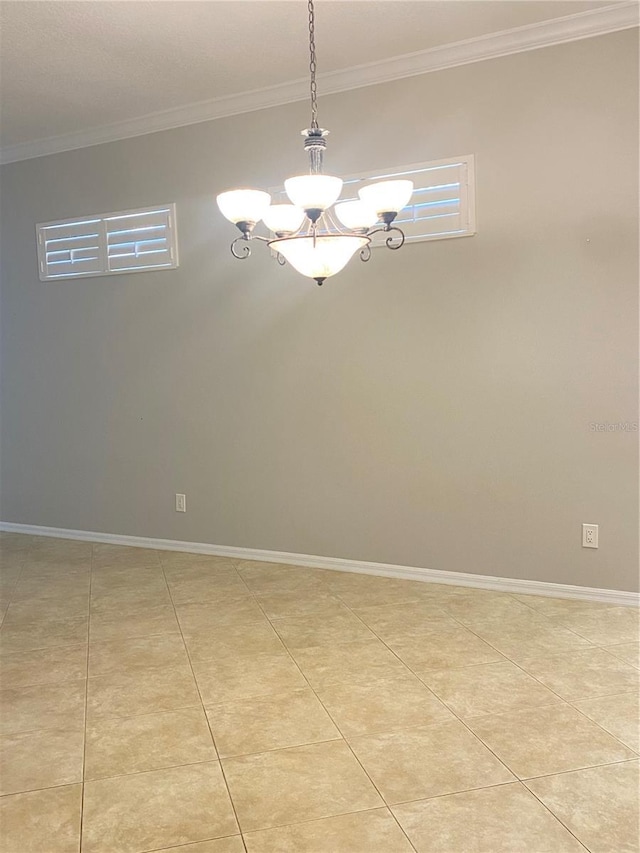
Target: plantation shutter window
[[107, 244]]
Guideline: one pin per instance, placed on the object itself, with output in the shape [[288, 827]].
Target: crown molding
[[339, 564], [582, 25]]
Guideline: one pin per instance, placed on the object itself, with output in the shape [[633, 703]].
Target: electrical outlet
[[181, 503], [589, 535]]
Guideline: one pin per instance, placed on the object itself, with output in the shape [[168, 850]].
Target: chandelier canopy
[[316, 240]]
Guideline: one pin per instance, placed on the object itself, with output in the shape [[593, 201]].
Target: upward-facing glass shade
[[283, 218], [313, 192], [387, 196], [321, 258], [243, 205], [356, 214]]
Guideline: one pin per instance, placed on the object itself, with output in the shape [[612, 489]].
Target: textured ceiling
[[71, 65]]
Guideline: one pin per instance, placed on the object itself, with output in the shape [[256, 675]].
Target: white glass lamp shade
[[387, 196], [356, 215], [243, 205], [283, 218], [325, 258], [313, 192]]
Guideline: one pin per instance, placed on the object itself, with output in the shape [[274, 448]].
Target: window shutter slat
[[106, 244]]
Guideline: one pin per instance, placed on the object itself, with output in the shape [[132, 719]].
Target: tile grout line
[[406, 666], [517, 779], [334, 721], [202, 705], [563, 701], [86, 704]]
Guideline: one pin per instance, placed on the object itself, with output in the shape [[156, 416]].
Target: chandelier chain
[[312, 65]]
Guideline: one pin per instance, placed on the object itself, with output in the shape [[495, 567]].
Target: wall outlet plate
[[589, 535], [181, 503]]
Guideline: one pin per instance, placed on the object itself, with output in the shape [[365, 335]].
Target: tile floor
[[167, 701]]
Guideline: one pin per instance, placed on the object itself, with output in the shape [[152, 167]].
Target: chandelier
[[317, 241]]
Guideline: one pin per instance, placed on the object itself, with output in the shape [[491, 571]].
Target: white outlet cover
[[589, 535]]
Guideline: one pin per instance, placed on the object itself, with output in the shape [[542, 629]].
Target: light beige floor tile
[[619, 715], [40, 759], [445, 647], [583, 673], [28, 634], [599, 805], [106, 556], [56, 570], [212, 590], [228, 641], [550, 606], [383, 705], [293, 785], [14, 542], [231, 844], [542, 741], [280, 605], [361, 832], [223, 572], [348, 662], [59, 589], [149, 742], [520, 638], [241, 677], [269, 722], [411, 620], [180, 560], [158, 650], [483, 604], [50, 547], [381, 591], [628, 652], [330, 629], [204, 616], [159, 809], [43, 666], [44, 609], [491, 688], [606, 625], [503, 819], [42, 706], [266, 578], [428, 761], [40, 821], [128, 601], [152, 620], [149, 579], [128, 693]]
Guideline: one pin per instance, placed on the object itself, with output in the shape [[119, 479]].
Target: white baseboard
[[513, 585]]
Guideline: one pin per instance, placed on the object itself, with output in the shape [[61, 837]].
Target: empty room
[[319, 469]]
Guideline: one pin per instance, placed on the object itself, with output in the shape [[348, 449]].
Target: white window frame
[[467, 195], [101, 220]]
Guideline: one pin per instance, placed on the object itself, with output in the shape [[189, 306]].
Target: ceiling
[[69, 66]]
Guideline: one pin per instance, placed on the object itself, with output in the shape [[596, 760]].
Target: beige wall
[[431, 408]]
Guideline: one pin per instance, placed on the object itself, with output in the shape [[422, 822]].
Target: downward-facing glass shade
[[283, 218], [243, 205], [313, 192], [387, 196], [355, 214], [328, 256]]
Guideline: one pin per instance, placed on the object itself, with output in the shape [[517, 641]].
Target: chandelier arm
[[365, 253], [393, 241], [242, 253], [336, 225]]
